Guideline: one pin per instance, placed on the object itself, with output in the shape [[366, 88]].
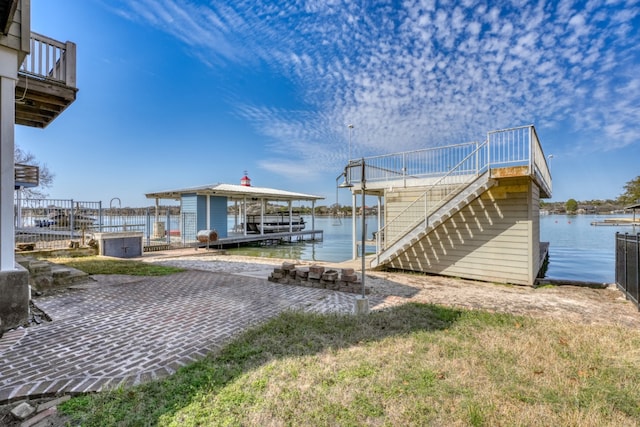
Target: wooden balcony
[[26, 176], [46, 81]]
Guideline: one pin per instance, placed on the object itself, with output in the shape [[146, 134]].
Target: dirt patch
[[573, 303]]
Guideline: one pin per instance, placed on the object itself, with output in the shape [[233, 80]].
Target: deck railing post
[[488, 152], [69, 58], [477, 158], [532, 153], [404, 170]]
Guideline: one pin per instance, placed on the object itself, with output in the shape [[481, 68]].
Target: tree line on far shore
[[630, 197]]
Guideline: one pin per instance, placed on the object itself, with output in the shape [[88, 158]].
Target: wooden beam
[[39, 102]]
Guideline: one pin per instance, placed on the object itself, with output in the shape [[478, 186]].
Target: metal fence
[[64, 223], [628, 265]]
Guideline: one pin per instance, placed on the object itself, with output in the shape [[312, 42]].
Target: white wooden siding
[[19, 30], [494, 238]]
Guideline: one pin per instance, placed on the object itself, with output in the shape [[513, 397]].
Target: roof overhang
[[234, 192]]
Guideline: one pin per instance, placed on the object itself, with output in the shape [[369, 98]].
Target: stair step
[[39, 267], [64, 276], [59, 270]]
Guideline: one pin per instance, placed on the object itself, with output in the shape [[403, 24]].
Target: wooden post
[[70, 64]]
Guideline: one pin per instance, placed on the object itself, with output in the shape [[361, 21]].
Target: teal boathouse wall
[[194, 209]]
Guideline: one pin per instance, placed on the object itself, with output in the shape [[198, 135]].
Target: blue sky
[[179, 93]]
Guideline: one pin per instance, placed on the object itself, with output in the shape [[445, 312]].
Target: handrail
[[50, 60], [382, 237], [407, 165]]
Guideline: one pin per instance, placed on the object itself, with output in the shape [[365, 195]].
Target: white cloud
[[418, 74]]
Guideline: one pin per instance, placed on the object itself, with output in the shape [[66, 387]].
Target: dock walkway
[[268, 238]]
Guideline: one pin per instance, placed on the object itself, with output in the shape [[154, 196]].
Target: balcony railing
[[26, 175], [513, 147], [51, 60], [46, 83]]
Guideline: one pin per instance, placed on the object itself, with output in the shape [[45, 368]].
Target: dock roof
[[234, 192]]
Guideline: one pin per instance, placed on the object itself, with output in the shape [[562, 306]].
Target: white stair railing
[[438, 193]]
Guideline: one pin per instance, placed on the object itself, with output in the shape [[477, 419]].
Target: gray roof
[[636, 206], [234, 192]]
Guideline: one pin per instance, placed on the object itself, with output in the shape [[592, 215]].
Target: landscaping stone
[[315, 272], [288, 266], [317, 277], [41, 419], [23, 411], [52, 403], [330, 276], [349, 278]]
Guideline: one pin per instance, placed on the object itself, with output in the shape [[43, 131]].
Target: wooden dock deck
[[267, 238]]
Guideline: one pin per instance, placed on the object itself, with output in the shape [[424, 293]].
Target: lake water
[[577, 251]]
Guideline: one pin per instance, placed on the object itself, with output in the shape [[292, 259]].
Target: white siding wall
[[494, 238], [19, 31]]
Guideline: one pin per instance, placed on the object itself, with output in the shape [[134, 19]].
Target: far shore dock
[[616, 222]]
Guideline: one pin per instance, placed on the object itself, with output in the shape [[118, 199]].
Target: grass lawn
[[98, 265], [411, 365]]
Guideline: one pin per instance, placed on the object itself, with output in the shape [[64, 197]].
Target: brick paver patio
[[127, 330]]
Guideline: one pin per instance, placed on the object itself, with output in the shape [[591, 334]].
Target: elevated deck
[[46, 81], [466, 210], [513, 152]]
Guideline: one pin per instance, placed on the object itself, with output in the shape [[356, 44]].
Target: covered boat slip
[[209, 207]]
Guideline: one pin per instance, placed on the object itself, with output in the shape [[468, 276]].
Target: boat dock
[[264, 239], [613, 222]]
